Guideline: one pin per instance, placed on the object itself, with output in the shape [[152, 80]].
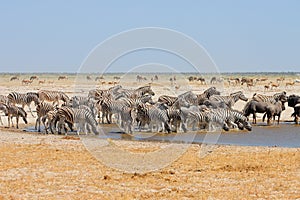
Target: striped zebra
[[3, 108], [135, 93], [42, 110], [78, 116], [158, 118], [96, 94], [229, 100], [128, 116], [3, 99], [270, 99], [233, 118], [23, 99], [14, 111], [168, 100], [49, 120], [79, 101], [207, 94], [53, 96]]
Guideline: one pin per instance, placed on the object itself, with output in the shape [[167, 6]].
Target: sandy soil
[[36, 166]]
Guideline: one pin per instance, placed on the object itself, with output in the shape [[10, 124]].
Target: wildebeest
[[274, 110], [253, 107], [62, 78], [34, 78], [14, 78], [294, 102]]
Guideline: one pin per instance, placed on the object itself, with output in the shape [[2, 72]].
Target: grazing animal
[[13, 78], [253, 107], [274, 110], [294, 102], [23, 99], [229, 100], [26, 82], [62, 78], [274, 85], [14, 111], [52, 96], [42, 110], [272, 99], [34, 78], [289, 84], [42, 82]]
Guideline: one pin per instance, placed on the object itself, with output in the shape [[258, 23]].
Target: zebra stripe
[[23, 99], [42, 109], [270, 99], [14, 111], [207, 94], [229, 100], [53, 96]]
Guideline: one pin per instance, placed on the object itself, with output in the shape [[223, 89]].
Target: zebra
[[78, 101], [14, 111], [233, 118], [96, 94], [207, 94], [128, 115], [3, 108], [79, 116], [23, 99], [136, 93], [52, 96], [168, 100], [42, 109], [270, 99], [158, 118], [229, 100], [3, 99]]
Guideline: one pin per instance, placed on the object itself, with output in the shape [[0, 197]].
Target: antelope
[[274, 85], [289, 84], [26, 82], [42, 82]]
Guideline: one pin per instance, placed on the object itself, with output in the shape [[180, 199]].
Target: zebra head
[[4, 108], [64, 97], [239, 95], [211, 91]]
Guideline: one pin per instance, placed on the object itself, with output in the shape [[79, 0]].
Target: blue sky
[[56, 36]]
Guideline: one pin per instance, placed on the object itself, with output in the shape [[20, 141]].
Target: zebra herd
[[135, 109]]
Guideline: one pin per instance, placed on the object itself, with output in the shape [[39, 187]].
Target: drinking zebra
[[14, 111], [42, 110], [23, 99], [158, 118], [52, 96], [233, 118], [229, 100], [78, 116]]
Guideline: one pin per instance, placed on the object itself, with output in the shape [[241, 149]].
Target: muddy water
[[284, 135]]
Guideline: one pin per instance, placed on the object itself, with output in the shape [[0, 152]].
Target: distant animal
[[62, 78], [99, 78], [42, 82], [14, 78], [89, 78], [289, 84], [34, 78], [274, 85], [26, 82]]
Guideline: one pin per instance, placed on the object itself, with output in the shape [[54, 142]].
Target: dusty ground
[[36, 166]]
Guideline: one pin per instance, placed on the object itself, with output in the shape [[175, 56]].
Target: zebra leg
[[29, 110], [17, 121], [1, 121]]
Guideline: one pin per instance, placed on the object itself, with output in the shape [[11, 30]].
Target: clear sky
[[56, 36]]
